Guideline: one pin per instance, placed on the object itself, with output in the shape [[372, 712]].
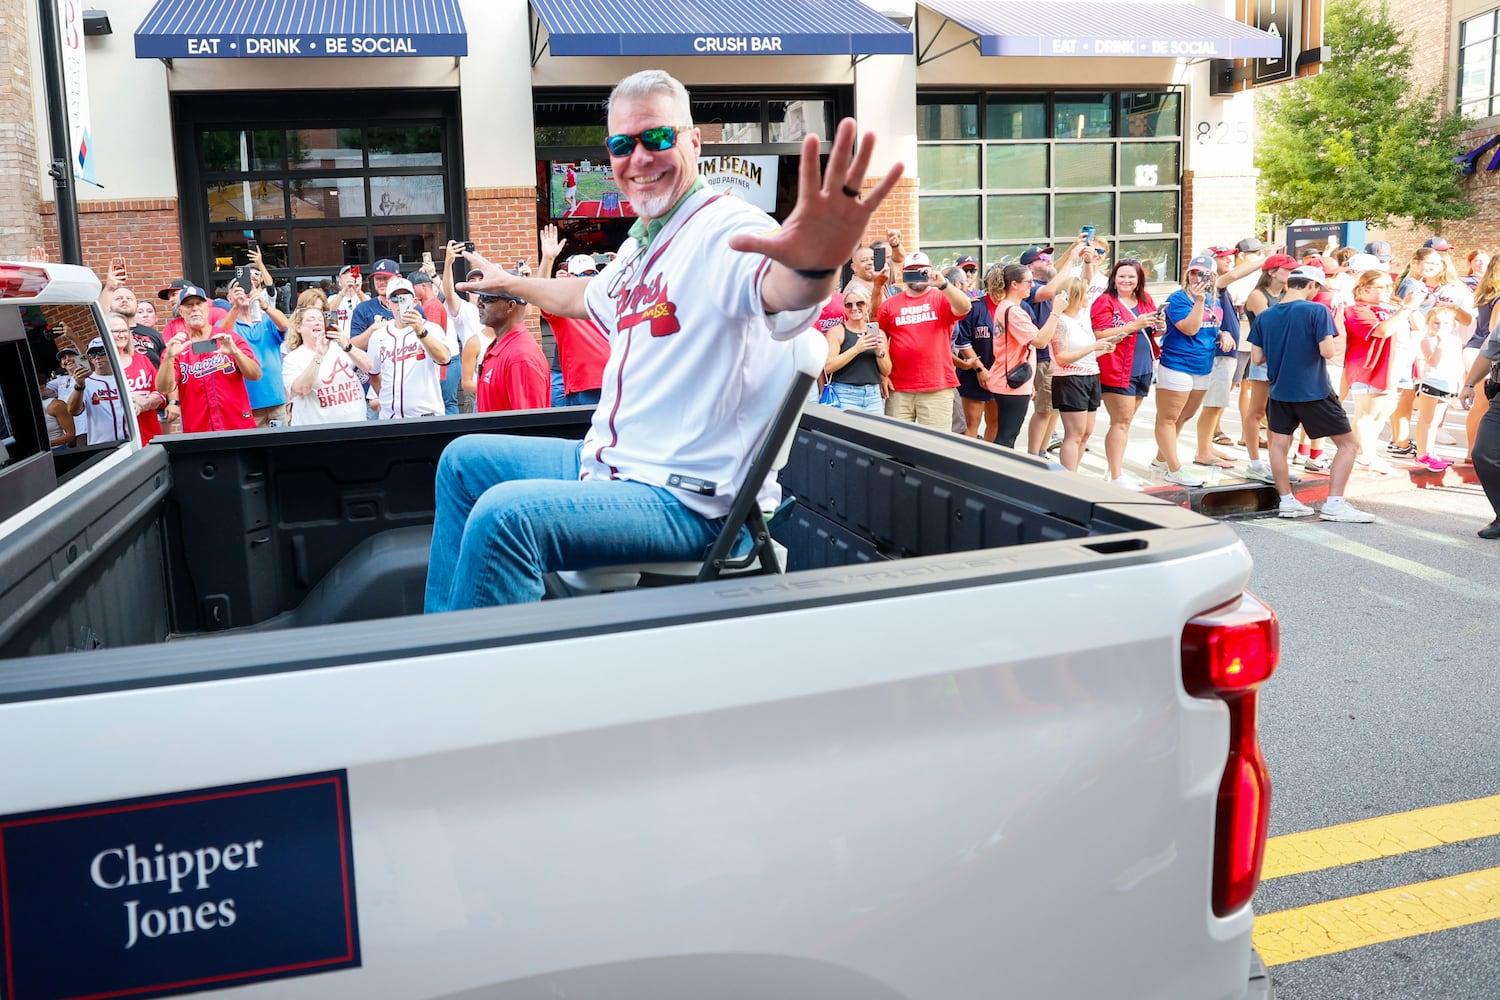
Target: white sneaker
[[1261, 472], [1182, 477], [1320, 464], [1128, 482], [1158, 465], [1345, 512], [1294, 508], [1445, 436]]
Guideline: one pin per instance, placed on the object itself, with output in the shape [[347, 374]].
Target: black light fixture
[[96, 22], [900, 18]]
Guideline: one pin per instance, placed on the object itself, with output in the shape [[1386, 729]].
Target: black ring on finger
[[852, 194]]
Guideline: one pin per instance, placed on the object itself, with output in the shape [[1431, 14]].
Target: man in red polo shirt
[[919, 322], [513, 374]]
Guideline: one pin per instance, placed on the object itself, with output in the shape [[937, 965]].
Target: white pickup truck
[[992, 734]]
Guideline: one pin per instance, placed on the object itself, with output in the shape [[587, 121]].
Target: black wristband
[[815, 275], [349, 348]]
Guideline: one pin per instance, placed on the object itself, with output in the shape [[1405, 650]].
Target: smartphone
[[468, 246], [520, 264], [242, 278], [427, 256], [118, 263], [601, 259], [330, 319], [1087, 232], [208, 346], [913, 276], [254, 245], [880, 258]]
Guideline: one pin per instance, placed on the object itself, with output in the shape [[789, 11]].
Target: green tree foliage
[[1360, 141]]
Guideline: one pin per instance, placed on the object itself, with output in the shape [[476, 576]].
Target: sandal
[[1222, 438], [1215, 463]]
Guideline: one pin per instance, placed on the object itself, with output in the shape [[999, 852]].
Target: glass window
[[1016, 117], [948, 168], [1008, 253], [793, 121], [327, 197], [941, 117], [324, 149], [1149, 164], [1074, 211], [945, 256], [228, 248], [1148, 211], [405, 146], [1020, 166], [1016, 216], [232, 201], [240, 151], [420, 194], [728, 121], [949, 219], [1158, 257], [1475, 75], [1083, 116], [406, 243], [332, 247], [1085, 165], [1476, 28], [1150, 114]]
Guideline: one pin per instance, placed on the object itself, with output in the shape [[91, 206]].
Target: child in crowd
[[1440, 368]]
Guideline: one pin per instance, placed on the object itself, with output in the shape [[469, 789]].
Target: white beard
[[653, 208]]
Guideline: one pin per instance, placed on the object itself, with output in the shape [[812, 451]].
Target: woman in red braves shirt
[[1127, 312], [206, 369], [140, 378]]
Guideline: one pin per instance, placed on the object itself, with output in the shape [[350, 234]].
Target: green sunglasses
[[655, 139]]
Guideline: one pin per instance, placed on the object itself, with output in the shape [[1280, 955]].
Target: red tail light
[[1228, 653], [20, 282]]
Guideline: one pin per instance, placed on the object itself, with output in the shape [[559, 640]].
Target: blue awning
[[718, 28], [1110, 30], [234, 29]]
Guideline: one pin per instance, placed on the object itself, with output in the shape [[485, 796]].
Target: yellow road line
[[1381, 837], [1388, 915]]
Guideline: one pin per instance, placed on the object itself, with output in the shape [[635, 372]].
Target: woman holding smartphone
[[1075, 369], [1187, 360], [1126, 313], [318, 372], [857, 355]]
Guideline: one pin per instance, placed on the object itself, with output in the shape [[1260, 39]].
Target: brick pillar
[[898, 211], [1216, 209], [503, 225], [20, 199], [146, 232]]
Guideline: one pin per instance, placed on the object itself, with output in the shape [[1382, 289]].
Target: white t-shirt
[[337, 397], [696, 368], [109, 415], [410, 381], [345, 308], [1074, 332], [64, 386], [464, 323]]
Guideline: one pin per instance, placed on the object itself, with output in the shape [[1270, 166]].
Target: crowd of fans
[[1036, 347]]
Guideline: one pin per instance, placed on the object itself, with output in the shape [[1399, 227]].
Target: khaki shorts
[[926, 409], [1219, 382], [266, 414], [1042, 401]]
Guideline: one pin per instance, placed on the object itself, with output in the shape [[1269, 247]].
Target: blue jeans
[[510, 509], [561, 397], [859, 397], [450, 385], [557, 388]]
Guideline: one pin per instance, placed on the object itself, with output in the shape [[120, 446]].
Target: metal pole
[[61, 168]]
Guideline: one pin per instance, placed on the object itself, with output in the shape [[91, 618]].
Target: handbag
[[828, 397]]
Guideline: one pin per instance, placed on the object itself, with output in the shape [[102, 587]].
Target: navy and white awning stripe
[[718, 27], [233, 29], [1111, 30]]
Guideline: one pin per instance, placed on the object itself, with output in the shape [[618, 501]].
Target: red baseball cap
[[1221, 251], [1279, 260]]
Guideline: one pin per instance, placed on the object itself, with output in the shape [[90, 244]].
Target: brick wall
[[147, 233], [1216, 210], [20, 225], [898, 212], [1424, 26]]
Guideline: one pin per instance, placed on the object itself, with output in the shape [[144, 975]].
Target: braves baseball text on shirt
[[140, 377], [336, 397], [211, 390]]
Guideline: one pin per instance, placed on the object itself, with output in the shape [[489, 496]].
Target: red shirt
[[1367, 359], [920, 328], [582, 350], [1109, 313], [515, 375], [435, 312], [211, 391], [140, 376], [833, 313]]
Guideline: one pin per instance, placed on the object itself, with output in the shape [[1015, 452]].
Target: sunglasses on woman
[[855, 303], [655, 139]]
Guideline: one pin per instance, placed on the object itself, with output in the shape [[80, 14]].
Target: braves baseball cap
[[1310, 273], [398, 286], [385, 266], [1250, 245], [1203, 262], [1279, 260], [1221, 251], [967, 262], [1380, 249], [1033, 253], [1438, 243], [191, 291], [166, 293], [917, 259], [419, 278], [581, 264]]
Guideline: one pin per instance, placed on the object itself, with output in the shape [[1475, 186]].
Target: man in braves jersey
[[376, 308], [96, 392], [700, 306], [140, 378], [408, 352], [205, 368]]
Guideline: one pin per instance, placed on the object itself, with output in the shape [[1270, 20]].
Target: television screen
[[583, 189]]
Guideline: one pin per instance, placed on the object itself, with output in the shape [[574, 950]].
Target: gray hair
[[649, 83]]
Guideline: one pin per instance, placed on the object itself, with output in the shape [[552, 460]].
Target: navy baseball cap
[[967, 261], [1438, 243], [385, 266], [190, 291], [166, 293], [1032, 253], [419, 278], [1381, 249]]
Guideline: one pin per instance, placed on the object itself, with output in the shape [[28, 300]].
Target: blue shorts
[[1140, 385], [1257, 373]]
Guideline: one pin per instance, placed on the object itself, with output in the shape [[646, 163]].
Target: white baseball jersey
[[410, 381], [696, 368], [109, 413]]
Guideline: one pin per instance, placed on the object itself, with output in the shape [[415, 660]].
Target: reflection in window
[[327, 197], [793, 121], [324, 149], [1083, 116], [1148, 212], [946, 118], [728, 121], [1015, 118], [1088, 165], [241, 151], [333, 247], [406, 243], [948, 168], [1150, 114], [1148, 164], [1158, 257], [1074, 211], [1016, 216], [231, 201], [405, 146], [946, 256], [421, 194], [228, 248], [1017, 166]]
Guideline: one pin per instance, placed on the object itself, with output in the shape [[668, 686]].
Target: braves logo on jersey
[[648, 304], [204, 365]]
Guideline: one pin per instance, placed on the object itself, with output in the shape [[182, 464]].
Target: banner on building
[[76, 88], [752, 178]]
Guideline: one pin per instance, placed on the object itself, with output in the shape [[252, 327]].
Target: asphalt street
[[1386, 701]]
